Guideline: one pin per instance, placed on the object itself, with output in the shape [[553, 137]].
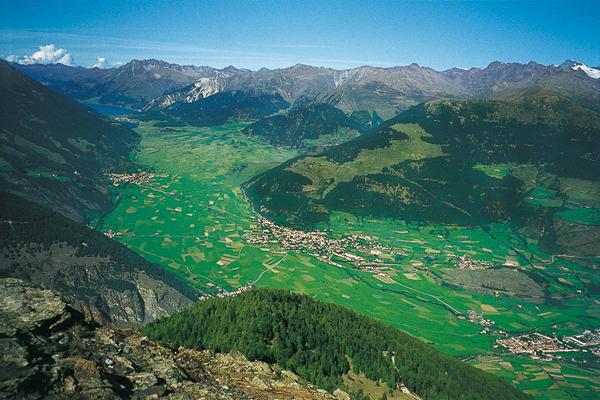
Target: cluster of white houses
[[135, 177], [464, 262], [477, 318], [538, 345], [222, 293], [358, 250]]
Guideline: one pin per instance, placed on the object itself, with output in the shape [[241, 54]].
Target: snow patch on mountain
[[591, 72]]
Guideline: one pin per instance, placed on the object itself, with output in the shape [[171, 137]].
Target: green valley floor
[[191, 216]]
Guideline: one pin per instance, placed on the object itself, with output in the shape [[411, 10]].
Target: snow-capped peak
[[591, 72], [576, 65]]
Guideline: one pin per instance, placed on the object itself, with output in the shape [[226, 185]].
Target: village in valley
[[477, 318], [464, 262], [134, 177], [538, 345], [360, 251]]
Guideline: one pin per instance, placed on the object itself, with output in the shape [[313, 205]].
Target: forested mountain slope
[[220, 107], [56, 151], [437, 163], [321, 342], [307, 127]]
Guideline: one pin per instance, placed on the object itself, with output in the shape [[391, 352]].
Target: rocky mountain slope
[[297, 83], [98, 275], [50, 350], [218, 108], [133, 84], [55, 151]]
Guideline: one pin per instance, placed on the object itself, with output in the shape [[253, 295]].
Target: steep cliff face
[[99, 285], [97, 275], [50, 350]]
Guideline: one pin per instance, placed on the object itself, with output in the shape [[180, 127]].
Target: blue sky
[[336, 34]]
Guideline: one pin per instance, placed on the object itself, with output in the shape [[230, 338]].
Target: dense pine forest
[[321, 342]]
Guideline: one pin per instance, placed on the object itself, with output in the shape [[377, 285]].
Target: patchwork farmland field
[[192, 216]]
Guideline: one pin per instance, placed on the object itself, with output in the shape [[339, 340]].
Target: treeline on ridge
[[321, 342]]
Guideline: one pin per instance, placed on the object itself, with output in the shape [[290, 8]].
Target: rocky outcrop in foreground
[[50, 350]]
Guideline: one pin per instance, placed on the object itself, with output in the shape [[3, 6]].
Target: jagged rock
[[341, 395], [50, 350], [259, 383], [290, 375], [142, 380]]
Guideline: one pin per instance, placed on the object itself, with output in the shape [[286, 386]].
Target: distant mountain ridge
[[153, 84], [204, 96], [133, 84]]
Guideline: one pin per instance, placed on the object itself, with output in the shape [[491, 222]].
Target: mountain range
[[131, 85], [152, 84], [204, 96]]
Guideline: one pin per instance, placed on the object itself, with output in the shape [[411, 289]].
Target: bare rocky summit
[[50, 350]]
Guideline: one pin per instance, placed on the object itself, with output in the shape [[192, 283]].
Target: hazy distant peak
[[496, 64], [569, 63], [300, 66], [230, 68]]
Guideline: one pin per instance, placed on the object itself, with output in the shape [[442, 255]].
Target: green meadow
[[191, 218]]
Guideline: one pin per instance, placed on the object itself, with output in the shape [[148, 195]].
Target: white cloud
[[47, 54], [100, 63]]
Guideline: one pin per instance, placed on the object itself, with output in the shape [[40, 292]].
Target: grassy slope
[[433, 162]]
